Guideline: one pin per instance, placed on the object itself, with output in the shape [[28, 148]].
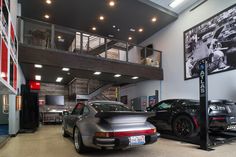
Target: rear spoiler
[[123, 113]]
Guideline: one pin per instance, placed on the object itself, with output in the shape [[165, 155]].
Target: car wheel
[[64, 133], [79, 146], [183, 127]]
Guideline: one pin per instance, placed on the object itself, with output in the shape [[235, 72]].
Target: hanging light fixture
[[5, 107]]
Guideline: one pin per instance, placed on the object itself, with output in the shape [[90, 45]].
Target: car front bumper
[[122, 142]]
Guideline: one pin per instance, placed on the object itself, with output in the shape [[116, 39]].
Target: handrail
[[77, 30], [46, 38]]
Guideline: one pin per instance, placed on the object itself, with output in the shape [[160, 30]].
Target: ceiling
[[165, 4], [83, 15], [49, 74]]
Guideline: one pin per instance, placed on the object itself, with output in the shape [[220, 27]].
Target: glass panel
[[64, 39], [116, 50], [134, 54], [37, 34]]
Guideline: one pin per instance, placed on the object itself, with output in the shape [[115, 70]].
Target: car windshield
[[106, 107]]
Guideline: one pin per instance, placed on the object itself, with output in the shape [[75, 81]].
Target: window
[[78, 109], [106, 107], [85, 111], [163, 105]]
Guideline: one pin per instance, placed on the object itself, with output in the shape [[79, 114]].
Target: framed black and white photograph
[[214, 40]]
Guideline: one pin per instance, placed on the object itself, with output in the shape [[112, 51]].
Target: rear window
[[106, 107]]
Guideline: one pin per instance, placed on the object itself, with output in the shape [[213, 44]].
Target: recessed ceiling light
[[101, 18], [94, 28], [38, 66], [175, 3], [140, 30], [59, 79], [68, 73], [58, 37], [65, 69], [132, 30], [112, 3], [130, 38], [154, 19], [38, 77], [114, 26], [97, 73], [134, 78], [117, 75], [46, 16], [48, 1]]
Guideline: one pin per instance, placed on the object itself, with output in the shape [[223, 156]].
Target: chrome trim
[[105, 139]]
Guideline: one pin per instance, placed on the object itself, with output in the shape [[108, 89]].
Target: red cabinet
[[4, 61]]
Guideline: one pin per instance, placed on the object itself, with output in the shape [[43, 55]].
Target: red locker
[[4, 63]]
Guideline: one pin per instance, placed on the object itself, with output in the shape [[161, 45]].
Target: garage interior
[[55, 54]]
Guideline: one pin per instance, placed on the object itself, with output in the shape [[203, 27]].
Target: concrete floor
[[48, 142]]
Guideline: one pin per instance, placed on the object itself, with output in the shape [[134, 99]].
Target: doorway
[[4, 116]]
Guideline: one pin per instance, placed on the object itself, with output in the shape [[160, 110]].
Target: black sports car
[[182, 116]]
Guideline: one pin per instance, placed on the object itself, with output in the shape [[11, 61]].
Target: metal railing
[[47, 35]]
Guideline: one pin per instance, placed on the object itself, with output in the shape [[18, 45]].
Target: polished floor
[[48, 142]]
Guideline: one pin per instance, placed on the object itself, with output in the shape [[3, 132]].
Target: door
[[162, 115], [72, 119]]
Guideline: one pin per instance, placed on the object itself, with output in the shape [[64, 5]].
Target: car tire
[[183, 127], [78, 142]]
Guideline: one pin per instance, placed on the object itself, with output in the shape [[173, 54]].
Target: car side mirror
[[66, 113], [148, 109]]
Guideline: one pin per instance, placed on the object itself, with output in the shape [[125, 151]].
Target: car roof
[[105, 101], [181, 99], [192, 100]]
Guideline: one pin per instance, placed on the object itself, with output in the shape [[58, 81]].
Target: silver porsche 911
[[109, 125]]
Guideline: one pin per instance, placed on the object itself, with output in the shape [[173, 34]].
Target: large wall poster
[[215, 40]]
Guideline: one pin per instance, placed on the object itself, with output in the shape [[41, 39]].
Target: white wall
[[14, 116], [145, 88], [170, 41]]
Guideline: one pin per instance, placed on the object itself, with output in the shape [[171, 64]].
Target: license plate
[[137, 140]]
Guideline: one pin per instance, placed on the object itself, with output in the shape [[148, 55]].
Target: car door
[[75, 115], [162, 115]]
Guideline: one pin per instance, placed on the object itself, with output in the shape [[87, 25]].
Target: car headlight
[[217, 108]]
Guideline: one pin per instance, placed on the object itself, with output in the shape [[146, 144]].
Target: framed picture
[[214, 40], [152, 100]]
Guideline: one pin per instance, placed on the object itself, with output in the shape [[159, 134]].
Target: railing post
[[52, 36], [81, 42], [105, 47], [21, 30], [88, 44], [160, 60], [145, 52], [127, 50]]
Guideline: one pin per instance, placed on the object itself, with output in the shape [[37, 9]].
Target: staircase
[[91, 89], [107, 94]]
